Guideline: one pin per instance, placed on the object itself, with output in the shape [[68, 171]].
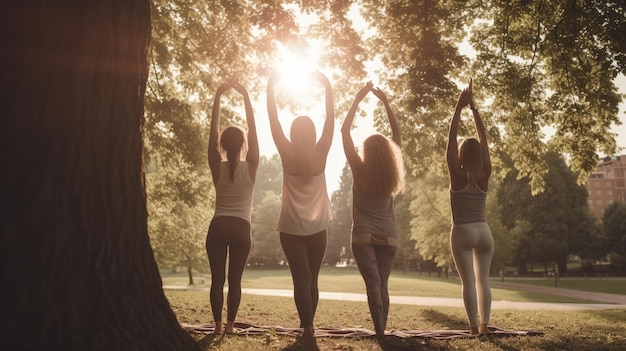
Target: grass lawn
[[400, 284], [611, 286], [563, 330], [578, 330]]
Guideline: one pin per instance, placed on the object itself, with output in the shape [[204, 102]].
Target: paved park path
[[604, 301]]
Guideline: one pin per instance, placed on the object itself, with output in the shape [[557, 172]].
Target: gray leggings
[[375, 263], [305, 255], [227, 236], [472, 250]]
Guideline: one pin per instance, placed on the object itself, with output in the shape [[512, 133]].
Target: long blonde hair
[[382, 171], [469, 154], [303, 139]]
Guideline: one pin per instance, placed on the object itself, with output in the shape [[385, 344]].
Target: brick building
[[607, 184]]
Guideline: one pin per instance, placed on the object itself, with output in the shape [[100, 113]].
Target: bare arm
[[252, 157], [457, 176], [348, 144], [393, 122], [281, 141], [485, 168], [214, 157], [329, 123]]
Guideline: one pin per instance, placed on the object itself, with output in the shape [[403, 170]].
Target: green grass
[[563, 330], [611, 286], [400, 284]]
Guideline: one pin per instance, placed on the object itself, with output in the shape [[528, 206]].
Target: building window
[[619, 183], [609, 193], [608, 183], [599, 202]]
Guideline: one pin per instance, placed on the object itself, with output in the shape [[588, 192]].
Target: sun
[[297, 85]]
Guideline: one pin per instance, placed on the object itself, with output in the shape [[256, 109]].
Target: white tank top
[[305, 208], [234, 198]]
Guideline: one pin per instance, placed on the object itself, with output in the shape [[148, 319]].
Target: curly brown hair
[[382, 170]]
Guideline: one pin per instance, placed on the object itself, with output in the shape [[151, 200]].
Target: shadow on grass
[[393, 343], [303, 343], [210, 341], [445, 320]]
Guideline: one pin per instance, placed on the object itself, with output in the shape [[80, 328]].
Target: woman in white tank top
[[305, 211]]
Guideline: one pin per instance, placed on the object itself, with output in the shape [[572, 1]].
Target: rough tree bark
[[76, 268]]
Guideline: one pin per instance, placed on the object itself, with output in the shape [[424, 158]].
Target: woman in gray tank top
[[471, 242], [378, 175]]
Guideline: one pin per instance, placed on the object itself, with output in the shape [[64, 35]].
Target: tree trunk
[[190, 273], [77, 271]]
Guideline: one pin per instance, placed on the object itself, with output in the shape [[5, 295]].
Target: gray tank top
[[468, 204], [373, 214]]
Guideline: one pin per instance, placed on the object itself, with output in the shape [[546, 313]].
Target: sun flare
[[296, 82]]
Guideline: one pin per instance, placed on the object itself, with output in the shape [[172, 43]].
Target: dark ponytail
[[231, 141]]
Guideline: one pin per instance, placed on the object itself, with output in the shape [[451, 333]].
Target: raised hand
[[379, 94], [224, 87], [239, 88], [471, 94], [364, 90]]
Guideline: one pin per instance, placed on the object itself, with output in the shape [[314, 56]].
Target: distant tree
[[551, 63], [78, 272], [505, 242], [338, 247], [557, 216], [179, 213], [431, 220], [417, 43], [266, 204], [614, 221], [269, 178], [407, 256], [266, 249]]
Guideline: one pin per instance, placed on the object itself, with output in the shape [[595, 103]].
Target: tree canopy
[[543, 74], [538, 66]]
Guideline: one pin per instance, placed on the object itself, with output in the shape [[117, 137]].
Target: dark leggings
[[227, 235], [305, 255], [375, 263]]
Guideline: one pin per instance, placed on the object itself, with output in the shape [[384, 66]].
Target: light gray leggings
[[375, 263], [472, 250]]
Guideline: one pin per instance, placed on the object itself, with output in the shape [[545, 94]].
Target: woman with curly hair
[[233, 171], [378, 175]]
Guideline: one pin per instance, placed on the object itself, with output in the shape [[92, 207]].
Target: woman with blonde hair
[[229, 231], [305, 211], [378, 175], [471, 242]]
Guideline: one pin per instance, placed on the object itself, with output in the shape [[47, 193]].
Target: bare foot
[[483, 329], [219, 328], [230, 327], [308, 331], [474, 330]]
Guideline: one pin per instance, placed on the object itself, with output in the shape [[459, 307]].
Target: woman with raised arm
[[471, 242], [305, 211], [233, 171], [378, 175]]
